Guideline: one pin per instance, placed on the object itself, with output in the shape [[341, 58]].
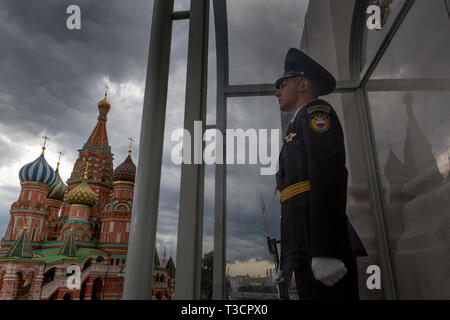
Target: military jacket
[[314, 223]]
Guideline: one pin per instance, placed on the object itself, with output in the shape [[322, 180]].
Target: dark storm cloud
[[55, 74], [260, 32]]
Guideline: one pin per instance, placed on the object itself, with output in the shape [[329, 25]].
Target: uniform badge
[[320, 122], [323, 108], [289, 137]]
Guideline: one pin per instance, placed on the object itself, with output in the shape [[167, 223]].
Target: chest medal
[[289, 137]]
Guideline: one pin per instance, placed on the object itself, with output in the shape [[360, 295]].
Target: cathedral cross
[[59, 159], [131, 141], [45, 142]]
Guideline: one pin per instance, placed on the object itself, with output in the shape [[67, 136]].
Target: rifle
[[273, 250]]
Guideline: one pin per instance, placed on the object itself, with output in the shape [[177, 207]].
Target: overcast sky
[[51, 80]]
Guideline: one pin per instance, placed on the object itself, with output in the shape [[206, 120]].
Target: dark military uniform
[[312, 180]]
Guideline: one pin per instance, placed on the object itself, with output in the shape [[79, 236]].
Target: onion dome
[[126, 171], [38, 171], [57, 189], [104, 103], [82, 194]]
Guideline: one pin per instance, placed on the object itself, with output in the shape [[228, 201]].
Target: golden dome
[[104, 103]]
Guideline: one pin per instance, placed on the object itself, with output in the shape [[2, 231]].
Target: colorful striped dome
[[126, 171], [38, 171], [82, 194], [57, 189]]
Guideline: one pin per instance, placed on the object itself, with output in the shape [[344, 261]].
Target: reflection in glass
[[246, 247], [421, 47], [412, 140], [372, 39], [248, 260], [260, 32], [326, 36], [359, 209]]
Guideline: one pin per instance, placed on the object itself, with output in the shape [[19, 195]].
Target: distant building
[[261, 288], [85, 223]]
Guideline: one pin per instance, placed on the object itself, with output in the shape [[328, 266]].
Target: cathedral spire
[[99, 137], [164, 259], [417, 151], [68, 248], [21, 248]]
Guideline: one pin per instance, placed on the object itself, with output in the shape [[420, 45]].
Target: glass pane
[[246, 247], [260, 32], [421, 47], [166, 233], [181, 5], [326, 36], [359, 209], [372, 39], [248, 260], [412, 141]]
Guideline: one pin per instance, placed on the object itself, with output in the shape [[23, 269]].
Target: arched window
[[18, 285], [49, 275], [87, 264], [97, 289], [68, 296]]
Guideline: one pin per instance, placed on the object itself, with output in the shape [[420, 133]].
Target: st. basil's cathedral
[[55, 228]]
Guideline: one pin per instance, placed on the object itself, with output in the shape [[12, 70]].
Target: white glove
[[278, 278], [328, 270]]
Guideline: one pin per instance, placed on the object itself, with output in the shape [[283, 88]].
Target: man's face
[[288, 94]]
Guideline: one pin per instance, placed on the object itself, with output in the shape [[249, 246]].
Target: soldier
[[318, 243]]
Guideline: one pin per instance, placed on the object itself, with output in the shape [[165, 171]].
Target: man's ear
[[303, 85]]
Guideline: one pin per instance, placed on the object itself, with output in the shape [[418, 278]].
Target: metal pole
[[106, 277], [381, 238], [190, 225], [141, 246], [121, 274], [219, 280], [356, 36]]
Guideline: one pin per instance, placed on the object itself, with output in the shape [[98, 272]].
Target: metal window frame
[[144, 218]]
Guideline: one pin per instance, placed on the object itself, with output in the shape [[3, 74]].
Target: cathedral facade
[[69, 241]]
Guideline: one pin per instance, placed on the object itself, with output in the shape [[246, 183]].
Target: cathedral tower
[[97, 152], [29, 210], [117, 215]]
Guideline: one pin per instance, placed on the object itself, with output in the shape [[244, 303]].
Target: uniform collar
[[293, 118]]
